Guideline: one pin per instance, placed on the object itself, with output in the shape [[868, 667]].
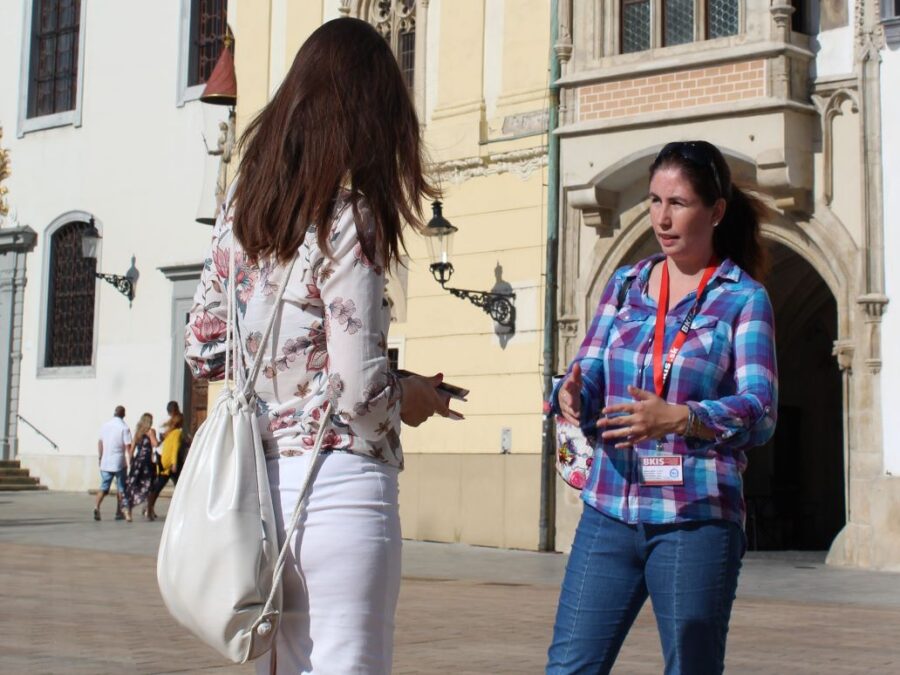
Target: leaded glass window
[[208, 27], [396, 21], [53, 80], [723, 16], [635, 25], [646, 24], [70, 301], [679, 21]]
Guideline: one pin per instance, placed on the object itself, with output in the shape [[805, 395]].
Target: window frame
[[44, 371], [890, 21], [185, 93], [65, 118], [658, 25]]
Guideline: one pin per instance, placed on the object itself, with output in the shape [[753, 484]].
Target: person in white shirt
[[114, 448]]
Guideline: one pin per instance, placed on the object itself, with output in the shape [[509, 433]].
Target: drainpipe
[[547, 525]]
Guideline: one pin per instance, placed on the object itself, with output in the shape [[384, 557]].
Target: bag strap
[[295, 517], [231, 344], [257, 361]]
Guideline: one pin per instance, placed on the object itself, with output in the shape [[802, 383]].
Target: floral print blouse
[[329, 342]]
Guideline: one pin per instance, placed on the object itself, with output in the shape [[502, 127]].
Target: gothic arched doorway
[[795, 484]]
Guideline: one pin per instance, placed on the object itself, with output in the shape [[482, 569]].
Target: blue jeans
[[106, 479], [689, 570]]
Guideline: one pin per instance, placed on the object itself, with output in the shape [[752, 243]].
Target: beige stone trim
[[731, 109], [521, 163], [708, 57]]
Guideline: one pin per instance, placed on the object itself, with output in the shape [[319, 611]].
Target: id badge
[[662, 470]]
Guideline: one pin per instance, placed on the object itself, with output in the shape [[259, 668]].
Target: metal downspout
[[547, 527]]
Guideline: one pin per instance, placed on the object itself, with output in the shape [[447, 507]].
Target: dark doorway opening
[[794, 485]]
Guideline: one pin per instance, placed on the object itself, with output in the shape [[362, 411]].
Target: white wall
[[136, 163], [890, 336]]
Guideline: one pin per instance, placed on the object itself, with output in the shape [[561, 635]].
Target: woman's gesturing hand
[[648, 417], [570, 396], [421, 399]]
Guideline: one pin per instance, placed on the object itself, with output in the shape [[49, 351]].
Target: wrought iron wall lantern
[[439, 237], [90, 244]]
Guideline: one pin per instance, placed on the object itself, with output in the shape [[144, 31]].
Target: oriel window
[[70, 306], [208, 26], [53, 76]]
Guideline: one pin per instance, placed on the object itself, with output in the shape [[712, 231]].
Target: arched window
[[71, 287], [396, 21]]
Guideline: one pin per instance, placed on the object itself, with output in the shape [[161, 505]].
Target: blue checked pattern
[[725, 372]]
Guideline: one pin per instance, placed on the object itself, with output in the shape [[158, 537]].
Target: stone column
[[15, 244]]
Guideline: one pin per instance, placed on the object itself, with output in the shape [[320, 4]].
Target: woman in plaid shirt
[[674, 383]]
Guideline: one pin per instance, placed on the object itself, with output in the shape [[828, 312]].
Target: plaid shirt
[[725, 372]]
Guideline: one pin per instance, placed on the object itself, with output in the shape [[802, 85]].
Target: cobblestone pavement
[[80, 597]]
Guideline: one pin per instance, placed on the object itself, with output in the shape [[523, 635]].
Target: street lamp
[[439, 237], [90, 245]]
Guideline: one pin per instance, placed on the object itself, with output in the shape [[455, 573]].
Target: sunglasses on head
[[695, 153]]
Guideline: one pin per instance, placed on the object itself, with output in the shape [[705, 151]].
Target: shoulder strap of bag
[[295, 517]]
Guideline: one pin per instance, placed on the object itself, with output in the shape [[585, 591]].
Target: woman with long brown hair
[[331, 170]]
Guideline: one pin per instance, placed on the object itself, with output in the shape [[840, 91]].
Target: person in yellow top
[[169, 456]]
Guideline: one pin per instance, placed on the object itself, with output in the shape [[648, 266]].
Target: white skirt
[[342, 575]]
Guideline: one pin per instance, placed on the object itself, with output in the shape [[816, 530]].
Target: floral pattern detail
[[342, 311], [245, 275], [329, 345]]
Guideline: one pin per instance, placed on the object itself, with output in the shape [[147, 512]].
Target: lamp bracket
[[499, 305], [122, 284]]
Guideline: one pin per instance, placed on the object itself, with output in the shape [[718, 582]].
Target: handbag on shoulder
[[219, 565], [574, 451]]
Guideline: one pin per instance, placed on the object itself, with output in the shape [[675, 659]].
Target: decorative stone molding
[[598, 208], [778, 178], [830, 105], [5, 172], [843, 350], [781, 11], [873, 305], [521, 163]]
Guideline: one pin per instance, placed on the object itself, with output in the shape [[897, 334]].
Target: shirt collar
[[726, 270]]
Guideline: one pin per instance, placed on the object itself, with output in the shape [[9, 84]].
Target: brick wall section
[[672, 91]]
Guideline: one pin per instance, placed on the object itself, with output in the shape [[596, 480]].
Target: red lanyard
[[662, 370]]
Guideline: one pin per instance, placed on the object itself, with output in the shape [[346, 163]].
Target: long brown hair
[[737, 235], [342, 115]]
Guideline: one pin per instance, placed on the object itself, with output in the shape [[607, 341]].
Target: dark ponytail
[[738, 235]]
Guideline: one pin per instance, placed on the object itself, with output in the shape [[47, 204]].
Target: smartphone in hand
[[454, 392]]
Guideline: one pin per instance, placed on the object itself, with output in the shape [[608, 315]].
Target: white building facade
[[104, 135]]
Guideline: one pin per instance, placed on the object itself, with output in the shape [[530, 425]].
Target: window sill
[[61, 119], [67, 373], [189, 94]]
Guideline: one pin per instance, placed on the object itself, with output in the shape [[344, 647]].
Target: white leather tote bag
[[219, 567]]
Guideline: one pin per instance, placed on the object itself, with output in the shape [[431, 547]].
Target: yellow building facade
[[478, 72]]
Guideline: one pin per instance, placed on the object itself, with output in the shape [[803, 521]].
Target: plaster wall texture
[[137, 164]]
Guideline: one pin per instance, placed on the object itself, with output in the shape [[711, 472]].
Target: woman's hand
[[649, 417], [569, 396], [421, 399]]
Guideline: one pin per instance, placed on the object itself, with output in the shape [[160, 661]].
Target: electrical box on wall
[[505, 440]]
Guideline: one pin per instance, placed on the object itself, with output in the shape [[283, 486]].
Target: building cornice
[[612, 68], [754, 106], [522, 163]]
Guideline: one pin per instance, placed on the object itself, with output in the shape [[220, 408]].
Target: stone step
[[21, 487], [12, 472], [18, 480], [10, 464]]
